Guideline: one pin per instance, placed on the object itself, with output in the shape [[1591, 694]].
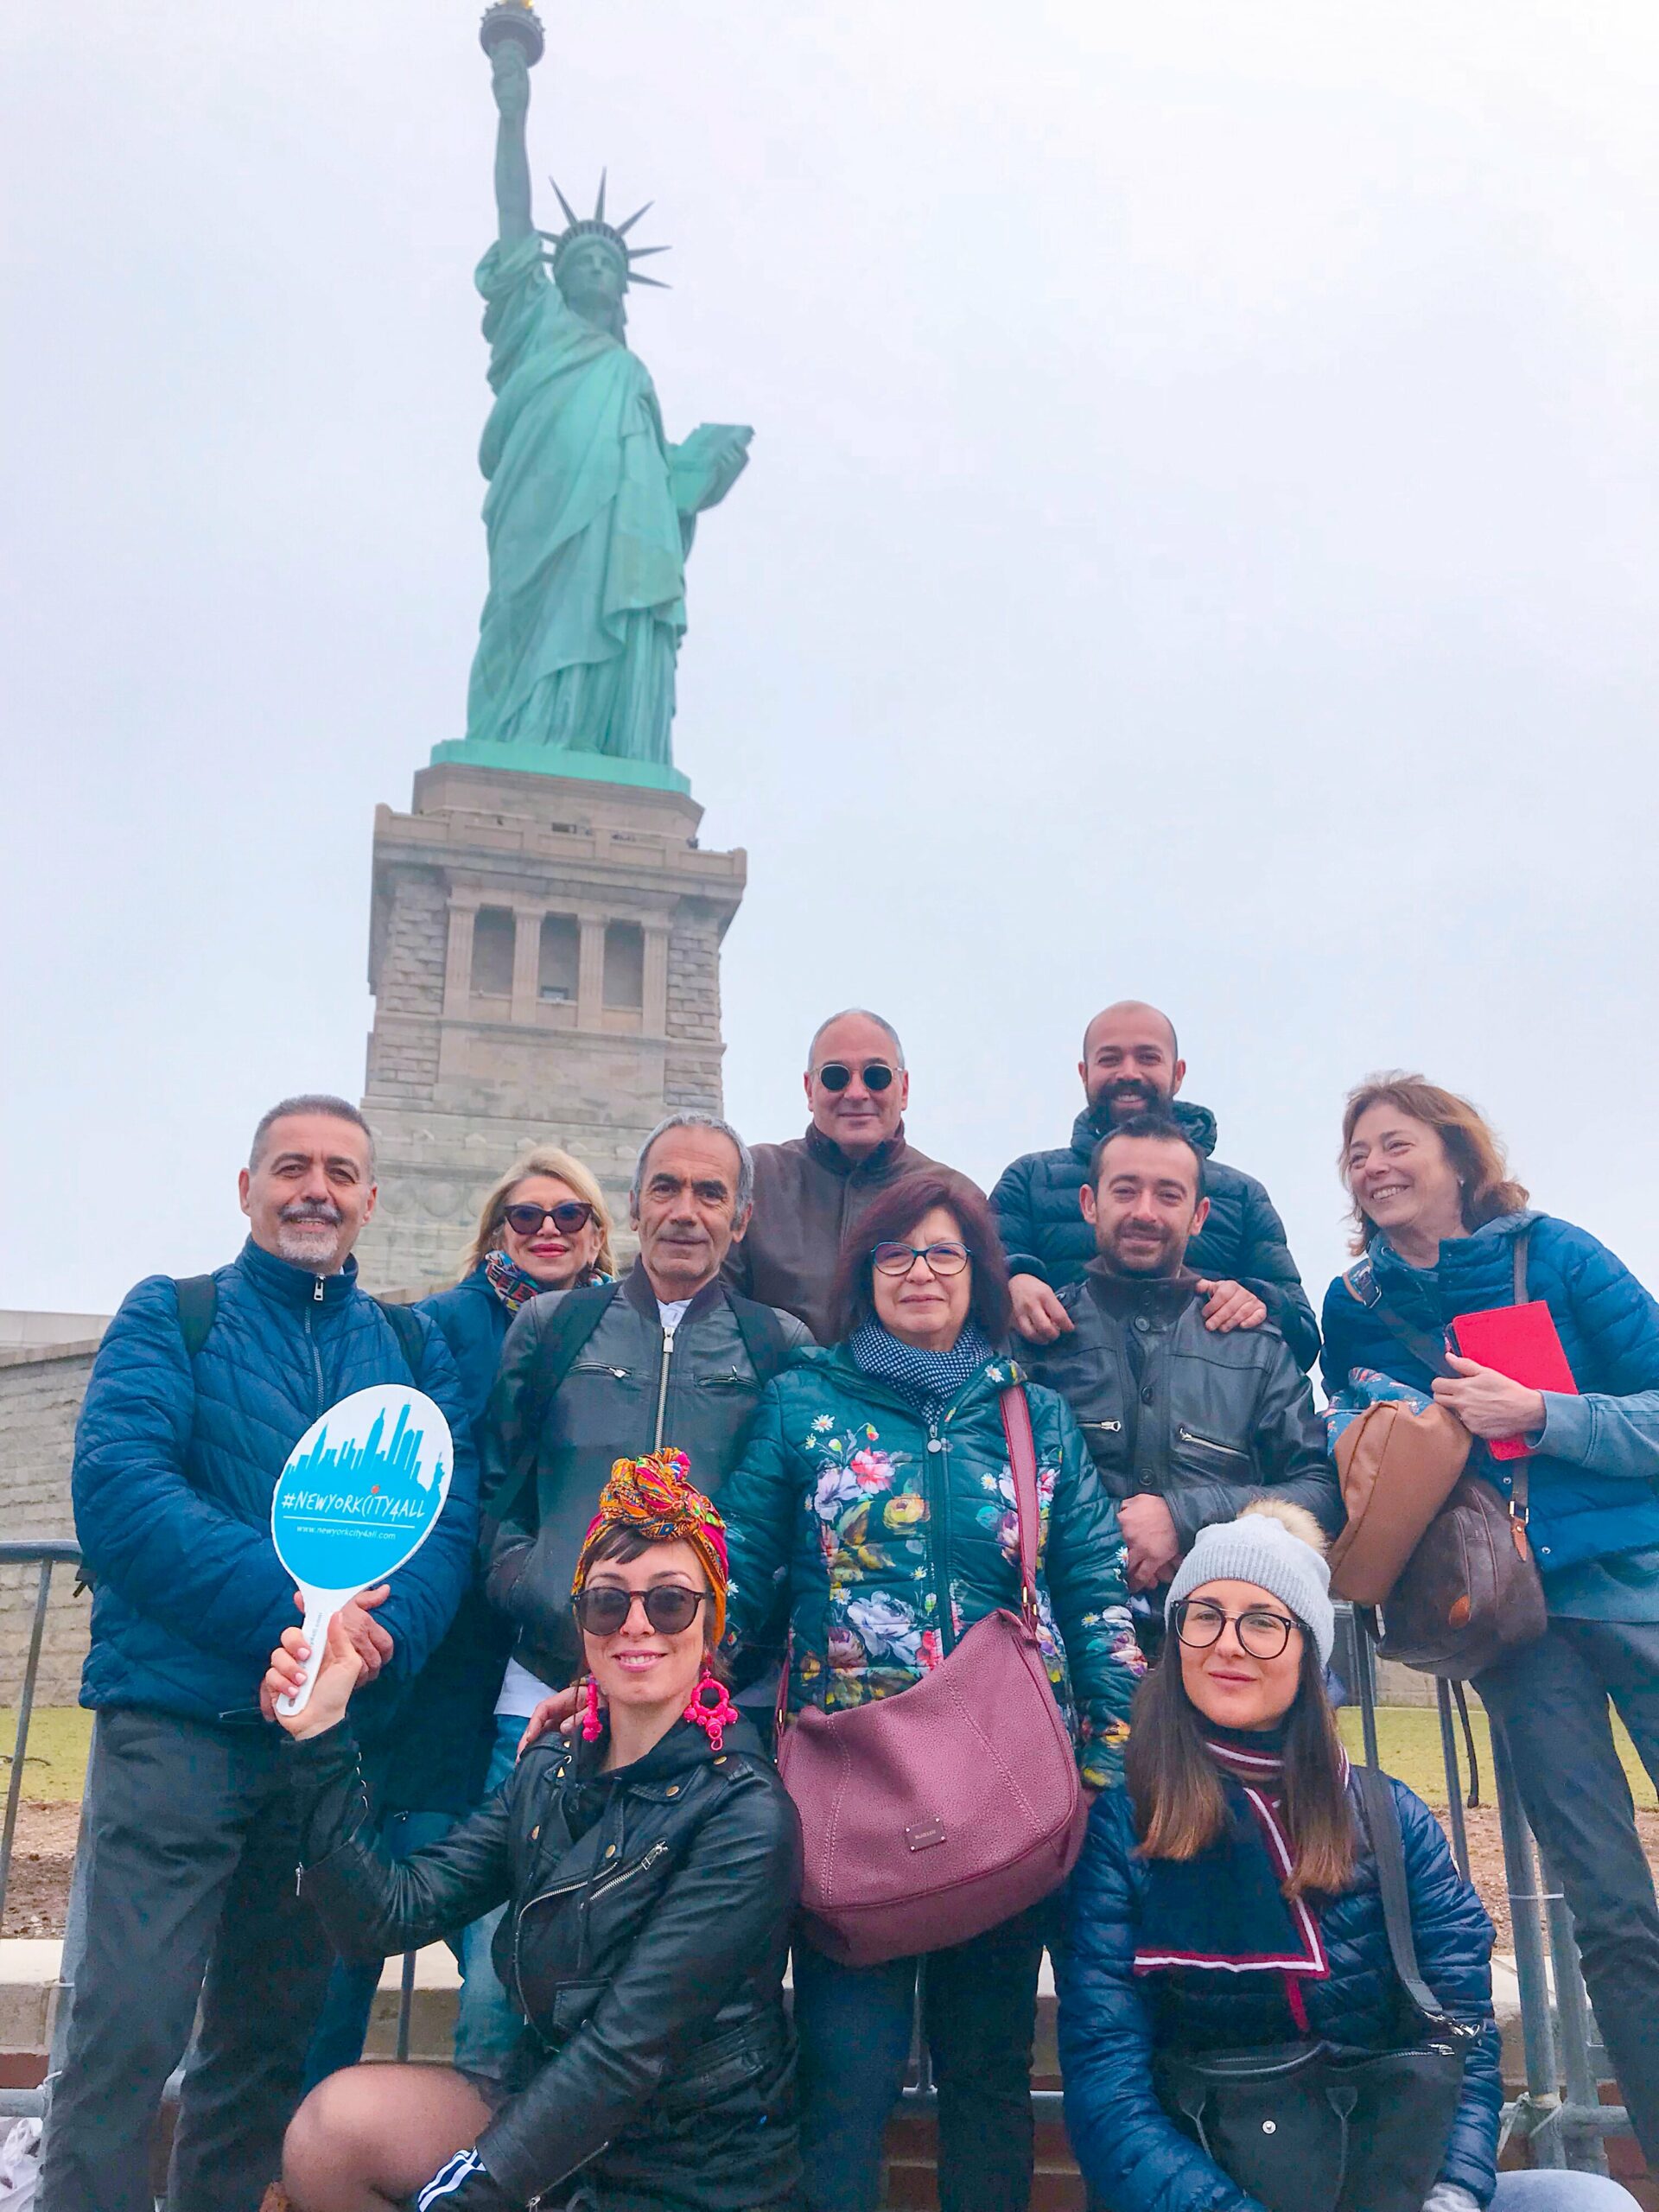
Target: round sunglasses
[[835, 1075], [569, 1217], [1261, 1632], [670, 1608], [946, 1259]]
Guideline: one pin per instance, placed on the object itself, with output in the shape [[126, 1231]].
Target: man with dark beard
[[200, 1391], [1131, 1065], [1184, 1421]]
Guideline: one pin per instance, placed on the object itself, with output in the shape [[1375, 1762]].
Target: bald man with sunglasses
[[809, 1188]]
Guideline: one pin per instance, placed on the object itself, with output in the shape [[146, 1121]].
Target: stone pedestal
[[545, 956]]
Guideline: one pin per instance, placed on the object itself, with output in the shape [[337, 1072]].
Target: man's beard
[[1117, 1101], [1144, 1261], [308, 1235]]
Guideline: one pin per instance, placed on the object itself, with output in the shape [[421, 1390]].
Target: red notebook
[[1521, 1342]]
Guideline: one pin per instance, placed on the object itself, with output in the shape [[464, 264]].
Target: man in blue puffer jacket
[[191, 1846], [1131, 1065]]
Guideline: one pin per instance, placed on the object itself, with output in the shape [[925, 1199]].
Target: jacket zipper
[[562, 1889], [1111, 1427], [626, 1874], [662, 1387], [1189, 1436], [316, 1357]]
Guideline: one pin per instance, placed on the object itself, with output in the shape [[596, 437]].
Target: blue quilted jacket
[[1112, 2021], [1594, 1483], [1036, 1206], [173, 1474]]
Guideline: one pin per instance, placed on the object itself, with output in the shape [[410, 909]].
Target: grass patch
[[55, 1761], [1408, 1744]]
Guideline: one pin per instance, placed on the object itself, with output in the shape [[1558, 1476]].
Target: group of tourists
[[842, 1422]]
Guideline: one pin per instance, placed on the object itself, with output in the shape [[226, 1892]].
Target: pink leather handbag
[[932, 1816]]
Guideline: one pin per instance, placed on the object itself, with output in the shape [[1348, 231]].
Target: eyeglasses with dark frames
[[670, 1608], [1261, 1632], [570, 1218], [835, 1075], [948, 1258]]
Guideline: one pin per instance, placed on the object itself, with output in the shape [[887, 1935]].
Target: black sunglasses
[[569, 1217], [835, 1075], [670, 1608]]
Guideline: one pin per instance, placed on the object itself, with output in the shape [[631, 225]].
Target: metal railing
[[1558, 2111], [46, 1553]]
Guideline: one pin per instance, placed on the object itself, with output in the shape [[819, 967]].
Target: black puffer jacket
[[646, 1944], [1244, 1241], [1203, 1421]]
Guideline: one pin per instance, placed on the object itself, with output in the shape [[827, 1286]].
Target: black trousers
[[191, 1897], [1551, 1701]]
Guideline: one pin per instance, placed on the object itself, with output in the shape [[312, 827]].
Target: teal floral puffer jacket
[[895, 1533]]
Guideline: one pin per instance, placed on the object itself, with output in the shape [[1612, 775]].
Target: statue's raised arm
[[509, 70]]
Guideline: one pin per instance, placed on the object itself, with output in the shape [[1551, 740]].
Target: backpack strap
[[1519, 1470], [405, 1324], [762, 1333], [573, 1321], [198, 1297]]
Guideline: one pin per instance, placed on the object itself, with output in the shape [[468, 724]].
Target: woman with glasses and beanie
[[1443, 1229], [875, 1501], [1227, 1901], [543, 1226], [649, 1868]]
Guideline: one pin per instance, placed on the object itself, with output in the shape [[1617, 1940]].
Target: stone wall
[[41, 1390]]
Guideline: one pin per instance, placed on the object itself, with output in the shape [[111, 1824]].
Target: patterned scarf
[[655, 1496], [515, 1288], [509, 1281], [1225, 1912], [927, 1378]]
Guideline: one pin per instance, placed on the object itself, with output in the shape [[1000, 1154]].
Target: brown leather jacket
[[806, 1193]]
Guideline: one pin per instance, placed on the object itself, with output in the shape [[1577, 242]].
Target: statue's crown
[[594, 225]]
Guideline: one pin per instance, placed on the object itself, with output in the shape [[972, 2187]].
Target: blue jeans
[[488, 2025], [343, 2023], [853, 2025], [1551, 1701]]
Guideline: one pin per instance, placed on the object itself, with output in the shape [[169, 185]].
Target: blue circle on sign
[[362, 1489]]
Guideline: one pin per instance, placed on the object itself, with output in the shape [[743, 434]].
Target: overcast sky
[[1200, 544]]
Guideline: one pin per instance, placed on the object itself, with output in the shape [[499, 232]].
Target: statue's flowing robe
[[586, 599]]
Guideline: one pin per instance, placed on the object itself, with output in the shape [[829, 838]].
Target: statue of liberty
[[590, 511]]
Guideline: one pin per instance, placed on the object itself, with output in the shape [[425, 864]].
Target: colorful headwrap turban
[[657, 1497]]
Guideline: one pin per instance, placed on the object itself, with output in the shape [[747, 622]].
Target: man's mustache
[[318, 1209]]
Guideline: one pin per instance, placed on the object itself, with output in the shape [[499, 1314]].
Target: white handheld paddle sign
[[360, 1494]]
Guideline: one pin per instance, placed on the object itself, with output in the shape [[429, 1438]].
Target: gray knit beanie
[[1280, 1548]]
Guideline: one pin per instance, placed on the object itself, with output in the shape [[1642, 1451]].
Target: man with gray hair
[[200, 1391], [669, 1358], [808, 1190]]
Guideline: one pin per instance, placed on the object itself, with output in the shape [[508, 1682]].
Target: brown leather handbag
[[934, 1815], [1398, 1466], [1470, 1592]]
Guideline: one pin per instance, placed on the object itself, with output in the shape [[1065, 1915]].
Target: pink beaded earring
[[590, 1724], [711, 1708]]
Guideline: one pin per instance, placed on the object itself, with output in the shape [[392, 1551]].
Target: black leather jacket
[[644, 1942], [1202, 1419]]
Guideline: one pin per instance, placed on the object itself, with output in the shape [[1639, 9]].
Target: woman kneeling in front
[[1227, 1902], [651, 1868]]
